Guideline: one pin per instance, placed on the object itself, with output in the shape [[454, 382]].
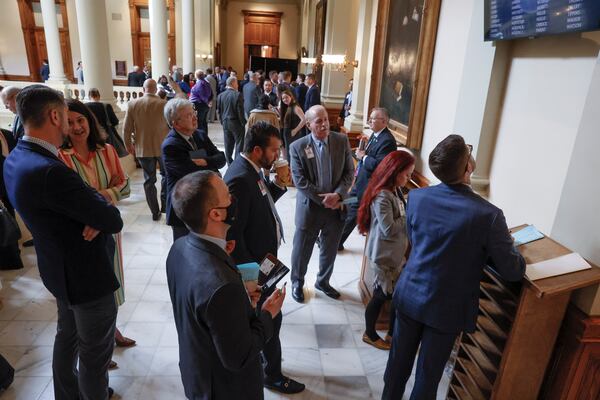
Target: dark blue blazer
[[454, 233], [313, 97], [254, 230], [45, 72], [56, 205], [300, 93], [178, 163], [376, 151], [220, 334]]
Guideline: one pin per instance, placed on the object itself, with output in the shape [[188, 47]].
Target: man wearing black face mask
[[220, 334], [258, 229]]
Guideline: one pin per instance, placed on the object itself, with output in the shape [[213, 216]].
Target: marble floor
[[321, 339]]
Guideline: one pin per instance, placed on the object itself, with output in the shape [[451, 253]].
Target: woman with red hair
[[382, 215]]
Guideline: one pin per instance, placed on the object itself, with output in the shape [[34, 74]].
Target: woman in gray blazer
[[382, 215]]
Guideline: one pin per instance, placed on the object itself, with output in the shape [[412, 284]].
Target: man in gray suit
[[212, 81], [230, 107], [322, 170], [252, 92]]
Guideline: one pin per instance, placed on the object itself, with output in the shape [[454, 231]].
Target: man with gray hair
[[144, 130], [9, 96], [251, 93], [136, 77], [201, 96], [230, 106], [322, 169], [185, 150]]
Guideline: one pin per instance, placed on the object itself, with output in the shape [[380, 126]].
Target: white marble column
[[55, 61], [95, 52], [188, 36], [340, 38], [159, 46], [365, 39]]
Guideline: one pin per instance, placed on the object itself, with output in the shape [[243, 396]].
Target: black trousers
[[179, 231], [271, 355], [350, 222], [202, 114], [86, 334], [149, 166], [435, 349], [233, 132]]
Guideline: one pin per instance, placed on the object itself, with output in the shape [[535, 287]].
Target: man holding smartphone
[[220, 334]]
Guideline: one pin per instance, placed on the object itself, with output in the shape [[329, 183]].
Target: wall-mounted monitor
[[513, 19]]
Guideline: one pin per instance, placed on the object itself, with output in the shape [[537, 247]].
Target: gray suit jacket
[[304, 174], [230, 106], [251, 94], [387, 240]]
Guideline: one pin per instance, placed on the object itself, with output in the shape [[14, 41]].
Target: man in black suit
[[72, 225], [183, 139], [300, 90], [258, 229], [230, 106], [251, 93], [9, 96], [136, 77], [313, 94], [379, 144], [268, 90], [220, 334]]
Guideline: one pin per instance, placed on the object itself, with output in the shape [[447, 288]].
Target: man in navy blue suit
[[180, 152], [72, 226], [258, 229], [313, 94], [379, 144], [454, 233]]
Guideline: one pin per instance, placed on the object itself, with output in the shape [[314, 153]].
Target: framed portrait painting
[[404, 48]]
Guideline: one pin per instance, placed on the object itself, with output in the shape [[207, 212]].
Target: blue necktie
[[325, 164]]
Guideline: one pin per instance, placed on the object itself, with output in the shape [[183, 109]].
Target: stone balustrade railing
[[122, 94]]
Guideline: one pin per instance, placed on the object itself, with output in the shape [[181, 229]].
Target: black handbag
[[9, 229]]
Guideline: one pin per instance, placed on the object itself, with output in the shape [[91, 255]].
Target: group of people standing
[[426, 253]]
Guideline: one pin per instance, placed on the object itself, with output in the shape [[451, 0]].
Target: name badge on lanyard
[[262, 187], [309, 152]]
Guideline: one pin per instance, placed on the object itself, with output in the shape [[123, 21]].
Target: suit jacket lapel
[[311, 162]]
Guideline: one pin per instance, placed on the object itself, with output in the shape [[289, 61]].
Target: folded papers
[[527, 235], [249, 271], [566, 264]]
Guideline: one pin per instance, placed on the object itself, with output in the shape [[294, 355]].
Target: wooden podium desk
[[507, 356]]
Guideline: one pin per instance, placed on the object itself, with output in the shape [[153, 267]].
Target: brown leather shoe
[[379, 343], [112, 365], [388, 339]]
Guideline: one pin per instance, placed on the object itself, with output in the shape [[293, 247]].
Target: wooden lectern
[[507, 356]]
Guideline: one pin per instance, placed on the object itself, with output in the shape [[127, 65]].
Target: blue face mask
[[231, 212]]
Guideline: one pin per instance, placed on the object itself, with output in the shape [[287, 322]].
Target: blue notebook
[[527, 235], [249, 271]]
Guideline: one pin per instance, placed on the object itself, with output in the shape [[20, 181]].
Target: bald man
[[322, 170], [144, 130]]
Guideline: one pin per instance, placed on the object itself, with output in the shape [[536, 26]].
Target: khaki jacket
[[145, 125]]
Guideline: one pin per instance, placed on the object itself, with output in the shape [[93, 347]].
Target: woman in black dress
[[293, 121]]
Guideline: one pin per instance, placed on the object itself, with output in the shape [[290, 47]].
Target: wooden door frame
[[262, 17], [134, 13], [29, 29]]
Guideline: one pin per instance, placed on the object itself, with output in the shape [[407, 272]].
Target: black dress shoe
[[28, 243], [156, 217], [328, 290], [110, 392], [284, 385], [341, 247], [298, 293]]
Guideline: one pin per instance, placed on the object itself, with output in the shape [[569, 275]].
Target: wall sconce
[[210, 56], [308, 60], [204, 57], [338, 62]]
